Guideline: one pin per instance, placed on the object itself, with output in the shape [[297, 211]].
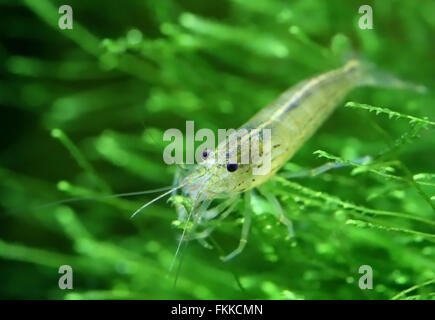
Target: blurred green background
[[83, 112]]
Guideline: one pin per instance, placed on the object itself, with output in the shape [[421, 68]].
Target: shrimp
[[292, 119]]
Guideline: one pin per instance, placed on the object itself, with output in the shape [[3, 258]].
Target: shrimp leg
[[225, 212], [323, 168], [221, 211], [220, 208], [273, 200], [245, 229]]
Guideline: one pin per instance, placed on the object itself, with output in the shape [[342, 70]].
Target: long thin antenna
[[181, 241], [177, 272], [202, 207], [116, 195], [154, 200]]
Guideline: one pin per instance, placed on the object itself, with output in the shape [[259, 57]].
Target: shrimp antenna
[[180, 243], [202, 207], [116, 195], [155, 199], [159, 197]]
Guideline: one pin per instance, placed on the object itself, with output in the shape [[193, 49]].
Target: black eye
[[231, 167], [205, 154]]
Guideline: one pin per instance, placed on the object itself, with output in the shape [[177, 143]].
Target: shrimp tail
[[368, 74]]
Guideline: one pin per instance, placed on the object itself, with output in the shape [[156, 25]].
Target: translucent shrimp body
[[292, 118]]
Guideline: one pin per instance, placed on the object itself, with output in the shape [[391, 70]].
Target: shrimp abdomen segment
[[301, 110]]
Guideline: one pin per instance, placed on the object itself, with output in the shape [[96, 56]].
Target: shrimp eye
[[205, 154], [231, 167]]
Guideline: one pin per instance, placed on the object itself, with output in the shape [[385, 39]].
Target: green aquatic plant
[[83, 115]]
